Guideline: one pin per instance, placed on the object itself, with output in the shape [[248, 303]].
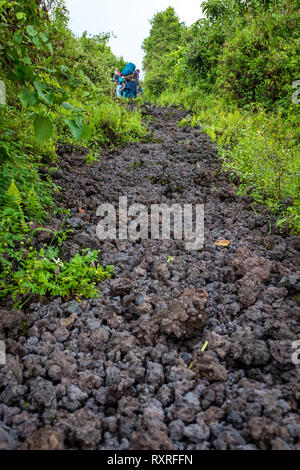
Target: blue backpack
[[128, 70]]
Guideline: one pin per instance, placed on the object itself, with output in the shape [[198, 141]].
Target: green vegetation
[[234, 70], [58, 91]]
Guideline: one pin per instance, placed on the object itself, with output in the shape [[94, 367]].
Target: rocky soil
[[128, 370]]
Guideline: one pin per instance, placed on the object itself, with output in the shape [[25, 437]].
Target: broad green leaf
[[50, 48], [28, 98], [48, 97], [43, 93], [76, 130], [43, 37], [31, 31], [26, 60], [63, 69], [43, 128], [36, 41], [20, 15], [18, 37], [86, 132], [12, 54], [59, 99], [79, 121], [67, 106], [24, 72], [12, 76], [37, 85]]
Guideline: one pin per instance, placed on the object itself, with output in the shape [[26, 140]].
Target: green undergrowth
[[110, 124], [258, 146], [58, 91], [27, 271], [27, 199]]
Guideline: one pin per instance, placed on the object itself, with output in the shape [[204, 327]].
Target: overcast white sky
[[128, 19]]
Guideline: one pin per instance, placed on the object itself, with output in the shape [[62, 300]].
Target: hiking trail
[[127, 370]]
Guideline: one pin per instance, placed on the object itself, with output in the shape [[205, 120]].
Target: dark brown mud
[[127, 370]]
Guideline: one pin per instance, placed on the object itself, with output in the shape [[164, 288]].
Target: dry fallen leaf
[[223, 243], [82, 211]]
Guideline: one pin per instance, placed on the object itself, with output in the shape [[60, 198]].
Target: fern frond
[[32, 201], [15, 196], [14, 193]]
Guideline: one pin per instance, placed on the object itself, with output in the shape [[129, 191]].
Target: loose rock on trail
[[128, 370]]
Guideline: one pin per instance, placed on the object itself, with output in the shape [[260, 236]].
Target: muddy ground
[[127, 370]]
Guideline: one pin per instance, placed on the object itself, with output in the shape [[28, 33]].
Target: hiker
[[116, 80], [117, 77], [120, 87], [137, 76], [130, 90], [131, 80]]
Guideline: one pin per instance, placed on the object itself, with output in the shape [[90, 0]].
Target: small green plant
[[26, 271], [92, 157], [45, 274]]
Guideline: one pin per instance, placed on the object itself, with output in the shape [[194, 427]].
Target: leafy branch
[[26, 55]]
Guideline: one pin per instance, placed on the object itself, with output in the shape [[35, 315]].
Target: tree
[[165, 36]]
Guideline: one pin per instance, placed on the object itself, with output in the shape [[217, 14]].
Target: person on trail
[[137, 76], [130, 90], [116, 79], [131, 85], [117, 76], [120, 87]]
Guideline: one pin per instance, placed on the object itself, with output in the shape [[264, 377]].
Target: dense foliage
[[236, 69], [58, 90], [166, 33]]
